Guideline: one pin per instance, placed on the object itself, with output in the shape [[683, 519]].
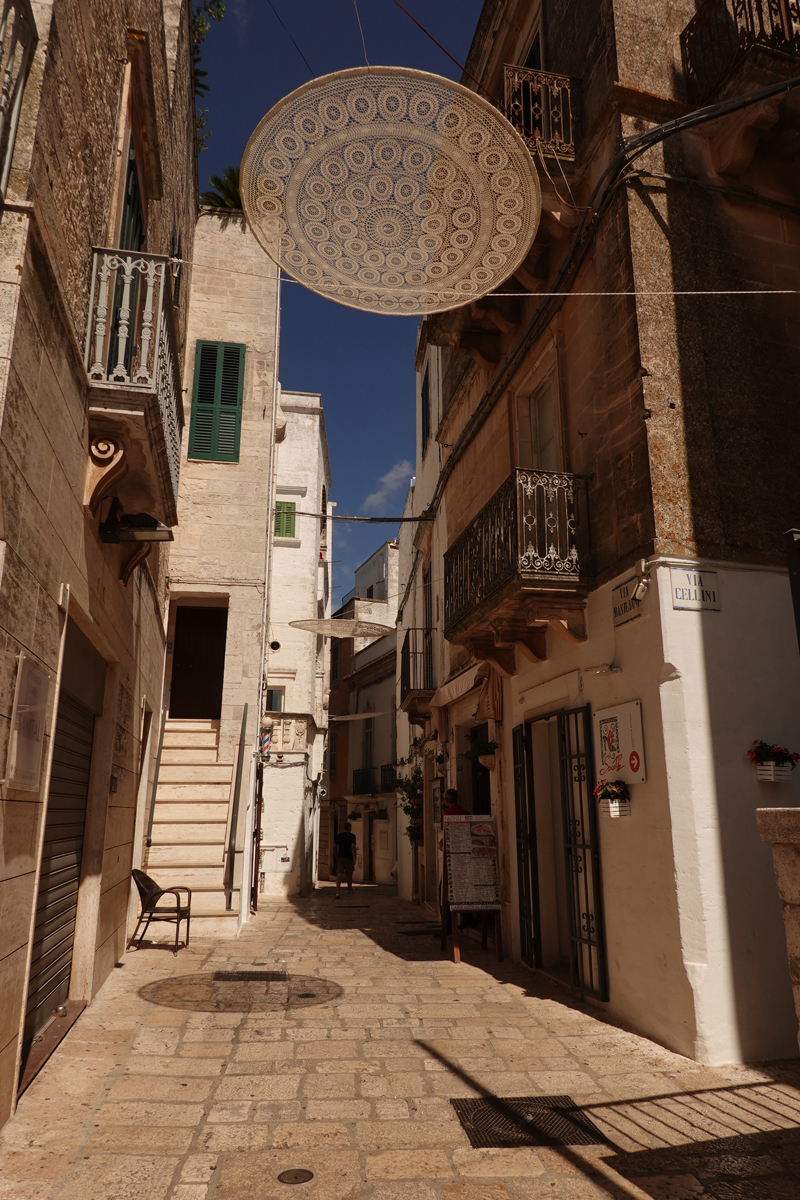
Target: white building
[[297, 662]]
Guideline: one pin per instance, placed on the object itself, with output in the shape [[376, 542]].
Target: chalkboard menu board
[[470, 847]]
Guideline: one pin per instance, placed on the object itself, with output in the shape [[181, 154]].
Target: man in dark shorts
[[345, 841]]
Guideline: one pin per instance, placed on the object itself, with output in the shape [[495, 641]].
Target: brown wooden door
[[198, 664]]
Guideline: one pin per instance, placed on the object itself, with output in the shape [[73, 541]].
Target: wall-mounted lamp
[[132, 527]]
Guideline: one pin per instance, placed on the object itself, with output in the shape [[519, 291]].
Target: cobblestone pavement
[[348, 1072]]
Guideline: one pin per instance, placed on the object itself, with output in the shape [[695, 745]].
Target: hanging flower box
[[774, 764], [615, 808], [772, 772], [488, 761], [614, 798]]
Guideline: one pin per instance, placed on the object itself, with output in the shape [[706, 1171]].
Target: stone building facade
[[610, 473], [218, 568], [99, 141], [297, 667]]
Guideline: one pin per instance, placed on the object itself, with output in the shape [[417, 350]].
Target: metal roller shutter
[[57, 900]]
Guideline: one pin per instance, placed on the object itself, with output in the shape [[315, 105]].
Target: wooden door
[[198, 664]]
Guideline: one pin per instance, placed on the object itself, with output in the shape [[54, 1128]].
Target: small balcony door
[[131, 237], [539, 424]]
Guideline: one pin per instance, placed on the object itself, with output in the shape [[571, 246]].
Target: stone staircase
[[190, 824]]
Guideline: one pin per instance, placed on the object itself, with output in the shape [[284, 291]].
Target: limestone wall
[[61, 203]]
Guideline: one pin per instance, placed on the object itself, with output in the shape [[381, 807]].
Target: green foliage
[[410, 790], [478, 749], [226, 193], [215, 10]]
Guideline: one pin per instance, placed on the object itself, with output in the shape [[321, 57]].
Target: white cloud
[[392, 486]]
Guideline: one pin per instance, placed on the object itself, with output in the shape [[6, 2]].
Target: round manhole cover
[[240, 991], [295, 1176]]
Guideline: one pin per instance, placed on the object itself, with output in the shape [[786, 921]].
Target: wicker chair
[[150, 894]]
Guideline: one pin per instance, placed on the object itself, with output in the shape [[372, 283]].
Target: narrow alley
[[335, 1039]]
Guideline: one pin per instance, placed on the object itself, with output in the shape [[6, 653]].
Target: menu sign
[[470, 848]]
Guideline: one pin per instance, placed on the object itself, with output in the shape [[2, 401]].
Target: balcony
[[722, 32], [522, 565], [416, 674], [541, 107], [372, 781], [133, 371]]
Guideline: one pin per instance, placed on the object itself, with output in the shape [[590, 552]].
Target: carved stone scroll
[[107, 465], [137, 555]]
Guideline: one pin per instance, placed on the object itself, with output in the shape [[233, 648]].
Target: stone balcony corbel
[[567, 619], [733, 140]]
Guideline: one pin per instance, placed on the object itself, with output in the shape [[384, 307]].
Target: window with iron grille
[[335, 662], [333, 752], [216, 422], [285, 519], [426, 411]]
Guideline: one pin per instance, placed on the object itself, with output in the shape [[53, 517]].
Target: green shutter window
[[284, 519], [217, 402]]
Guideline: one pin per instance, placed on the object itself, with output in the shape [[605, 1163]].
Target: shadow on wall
[[734, 393]]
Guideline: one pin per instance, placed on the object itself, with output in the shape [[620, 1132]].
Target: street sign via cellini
[[619, 745], [695, 590]]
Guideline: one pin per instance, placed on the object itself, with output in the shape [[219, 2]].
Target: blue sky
[[362, 364]]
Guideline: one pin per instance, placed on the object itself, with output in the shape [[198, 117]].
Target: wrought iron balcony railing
[[364, 781], [722, 31], [17, 44], [534, 529], [131, 348], [416, 663], [388, 776], [541, 106]]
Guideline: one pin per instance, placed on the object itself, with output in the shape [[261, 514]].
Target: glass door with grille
[[560, 896]]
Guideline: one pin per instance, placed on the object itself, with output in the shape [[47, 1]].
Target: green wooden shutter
[[216, 422], [284, 519]]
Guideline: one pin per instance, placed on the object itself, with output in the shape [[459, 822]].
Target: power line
[[460, 66], [365, 520], [291, 39], [361, 30]]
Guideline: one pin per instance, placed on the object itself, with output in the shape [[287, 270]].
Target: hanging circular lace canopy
[[391, 190]]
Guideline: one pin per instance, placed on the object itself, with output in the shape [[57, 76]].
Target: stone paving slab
[[152, 1102]]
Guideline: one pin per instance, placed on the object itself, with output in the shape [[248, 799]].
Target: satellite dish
[[391, 190], [343, 629]]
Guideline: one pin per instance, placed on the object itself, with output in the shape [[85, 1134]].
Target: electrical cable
[[291, 39], [460, 66], [361, 30], [365, 520]]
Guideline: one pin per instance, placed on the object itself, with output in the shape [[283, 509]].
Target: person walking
[[345, 861]]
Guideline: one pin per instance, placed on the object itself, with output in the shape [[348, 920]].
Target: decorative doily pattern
[[391, 190]]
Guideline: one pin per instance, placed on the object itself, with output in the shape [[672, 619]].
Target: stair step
[[188, 726], [215, 925], [207, 773], [188, 756], [193, 791], [174, 739], [191, 832], [187, 854], [196, 878], [170, 811]]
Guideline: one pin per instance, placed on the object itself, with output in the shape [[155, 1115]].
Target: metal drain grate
[[249, 977], [526, 1121]]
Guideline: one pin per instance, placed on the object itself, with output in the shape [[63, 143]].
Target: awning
[[458, 687], [452, 691]]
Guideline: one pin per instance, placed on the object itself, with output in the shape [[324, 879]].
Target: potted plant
[[355, 815], [774, 764], [482, 752], [409, 790], [614, 797]]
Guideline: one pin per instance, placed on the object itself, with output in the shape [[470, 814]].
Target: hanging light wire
[[460, 66], [291, 39], [361, 30]]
